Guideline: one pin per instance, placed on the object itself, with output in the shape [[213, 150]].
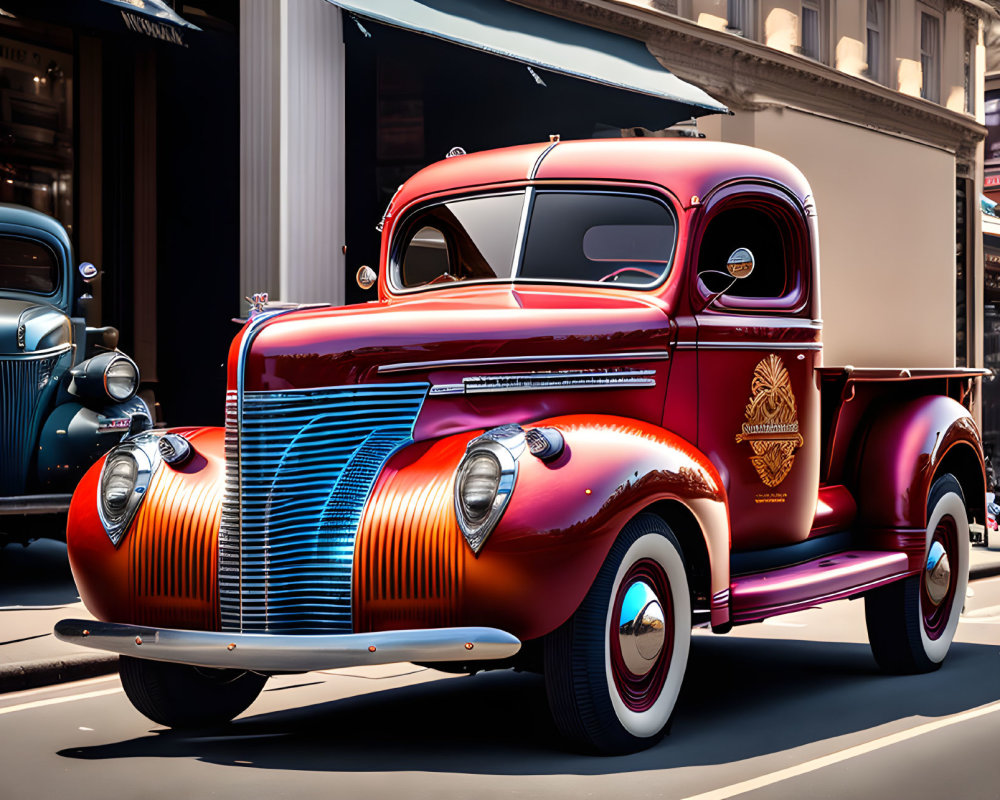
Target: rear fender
[[413, 568], [906, 448]]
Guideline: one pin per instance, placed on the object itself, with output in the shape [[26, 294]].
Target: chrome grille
[[299, 468], [22, 383]]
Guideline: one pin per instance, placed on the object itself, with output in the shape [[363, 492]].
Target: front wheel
[[911, 623], [614, 670], [183, 696]]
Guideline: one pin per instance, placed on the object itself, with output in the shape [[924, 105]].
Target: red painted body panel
[[413, 568], [164, 570], [676, 444], [903, 452]]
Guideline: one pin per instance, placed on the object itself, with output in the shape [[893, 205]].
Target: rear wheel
[[183, 696], [614, 670], [911, 623]]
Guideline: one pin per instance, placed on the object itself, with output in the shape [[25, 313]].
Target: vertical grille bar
[[308, 461], [229, 528], [22, 384]]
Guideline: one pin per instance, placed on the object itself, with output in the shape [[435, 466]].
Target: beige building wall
[[886, 246]]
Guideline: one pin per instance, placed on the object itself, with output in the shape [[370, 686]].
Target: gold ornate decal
[[772, 422]]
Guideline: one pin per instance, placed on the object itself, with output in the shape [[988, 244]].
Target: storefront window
[[36, 128]]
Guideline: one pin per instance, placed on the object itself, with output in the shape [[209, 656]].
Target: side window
[[759, 232], [27, 266], [425, 257]]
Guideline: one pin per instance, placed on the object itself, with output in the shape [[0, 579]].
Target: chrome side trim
[[759, 345], [539, 381], [264, 652], [449, 363], [58, 350]]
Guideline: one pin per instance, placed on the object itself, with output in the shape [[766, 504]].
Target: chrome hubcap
[[641, 631], [937, 573]]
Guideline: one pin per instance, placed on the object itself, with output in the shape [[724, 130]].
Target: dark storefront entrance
[[412, 98], [128, 135]]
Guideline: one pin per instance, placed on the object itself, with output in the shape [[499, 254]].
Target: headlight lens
[[121, 379], [127, 471], [484, 482], [120, 474], [478, 481]]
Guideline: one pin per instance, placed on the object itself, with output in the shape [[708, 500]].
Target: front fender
[[905, 449], [413, 568], [163, 571]]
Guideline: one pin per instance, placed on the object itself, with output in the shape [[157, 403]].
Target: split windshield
[[619, 239]]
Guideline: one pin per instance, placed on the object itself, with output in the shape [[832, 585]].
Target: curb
[[988, 571], [32, 674]]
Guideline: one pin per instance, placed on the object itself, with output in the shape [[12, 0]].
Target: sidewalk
[[37, 590]]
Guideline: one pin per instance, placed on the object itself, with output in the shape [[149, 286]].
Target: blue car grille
[[22, 384], [299, 468]]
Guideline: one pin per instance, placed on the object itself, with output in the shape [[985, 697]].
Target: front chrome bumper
[[264, 652]]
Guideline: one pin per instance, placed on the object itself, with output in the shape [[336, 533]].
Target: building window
[[811, 30], [740, 14], [930, 56], [967, 76], [875, 42]]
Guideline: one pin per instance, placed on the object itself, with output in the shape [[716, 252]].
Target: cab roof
[[687, 167]]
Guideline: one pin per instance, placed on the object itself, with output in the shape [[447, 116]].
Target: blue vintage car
[[67, 394]]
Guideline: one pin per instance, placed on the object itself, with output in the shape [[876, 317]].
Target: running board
[[781, 591]]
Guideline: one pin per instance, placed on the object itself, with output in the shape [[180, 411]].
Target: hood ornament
[[257, 301]]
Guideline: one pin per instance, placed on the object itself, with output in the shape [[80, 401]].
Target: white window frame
[[878, 72], [746, 9], [930, 86], [823, 32]]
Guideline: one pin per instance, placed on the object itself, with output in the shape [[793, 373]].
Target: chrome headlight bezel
[[121, 360], [142, 450], [504, 445]]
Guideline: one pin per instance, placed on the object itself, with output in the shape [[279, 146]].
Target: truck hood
[[27, 327], [457, 330]]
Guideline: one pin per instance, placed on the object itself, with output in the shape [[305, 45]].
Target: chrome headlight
[[485, 480], [121, 379], [108, 376], [127, 471]]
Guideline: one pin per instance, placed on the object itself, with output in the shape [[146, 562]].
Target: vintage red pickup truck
[[587, 412]]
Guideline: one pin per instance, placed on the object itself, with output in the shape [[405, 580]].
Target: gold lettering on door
[[772, 422]]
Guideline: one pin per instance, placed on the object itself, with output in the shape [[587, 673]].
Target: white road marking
[[851, 752], [51, 701], [53, 687], [780, 623]]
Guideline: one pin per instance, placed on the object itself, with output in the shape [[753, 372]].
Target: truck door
[[758, 346]]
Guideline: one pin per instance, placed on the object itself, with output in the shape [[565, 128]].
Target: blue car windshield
[[27, 266]]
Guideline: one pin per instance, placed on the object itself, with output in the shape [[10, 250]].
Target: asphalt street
[[791, 708]]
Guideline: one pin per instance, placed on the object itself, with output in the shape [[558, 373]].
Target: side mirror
[[740, 263], [366, 277], [89, 272]]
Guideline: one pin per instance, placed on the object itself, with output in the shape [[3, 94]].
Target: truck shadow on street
[[742, 698]]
